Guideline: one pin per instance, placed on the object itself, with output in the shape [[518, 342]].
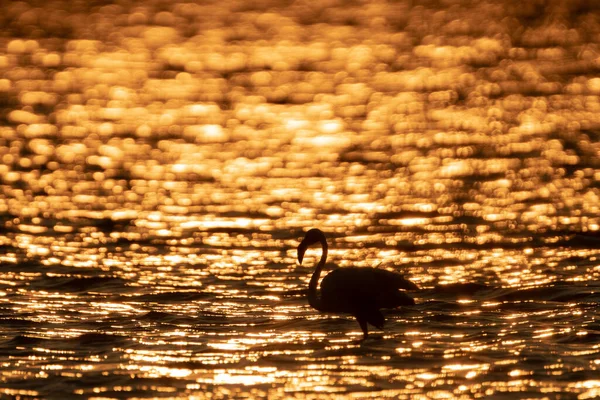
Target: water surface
[[162, 161]]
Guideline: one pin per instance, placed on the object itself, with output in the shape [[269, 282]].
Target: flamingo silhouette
[[361, 292]]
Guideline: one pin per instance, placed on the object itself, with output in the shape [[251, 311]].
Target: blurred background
[[161, 161]]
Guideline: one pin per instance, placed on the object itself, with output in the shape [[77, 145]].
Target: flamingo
[[360, 291]]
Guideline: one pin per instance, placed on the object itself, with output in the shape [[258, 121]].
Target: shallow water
[[161, 163]]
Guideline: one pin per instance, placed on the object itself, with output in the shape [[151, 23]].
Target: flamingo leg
[[363, 325]]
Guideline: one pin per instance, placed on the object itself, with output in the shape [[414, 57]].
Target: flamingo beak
[[301, 250]]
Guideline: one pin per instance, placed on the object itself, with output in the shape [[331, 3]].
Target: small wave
[[468, 288], [85, 339], [15, 322], [171, 297], [585, 240], [99, 339], [80, 284], [432, 306], [580, 337], [557, 293], [453, 291], [23, 345], [168, 318], [293, 324], [157, 316], [24, 340], [28, 265]]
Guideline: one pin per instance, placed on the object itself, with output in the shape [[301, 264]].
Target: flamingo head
[[312, 236]]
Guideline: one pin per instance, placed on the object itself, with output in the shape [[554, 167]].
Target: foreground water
[[161, 162]]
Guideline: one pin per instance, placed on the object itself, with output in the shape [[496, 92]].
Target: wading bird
[[361, 292]]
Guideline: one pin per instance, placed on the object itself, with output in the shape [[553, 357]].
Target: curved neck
[[313, 296]]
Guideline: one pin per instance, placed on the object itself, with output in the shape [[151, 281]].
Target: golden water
[[162, 160]]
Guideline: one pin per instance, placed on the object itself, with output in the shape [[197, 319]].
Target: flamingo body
[[361, 292]]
